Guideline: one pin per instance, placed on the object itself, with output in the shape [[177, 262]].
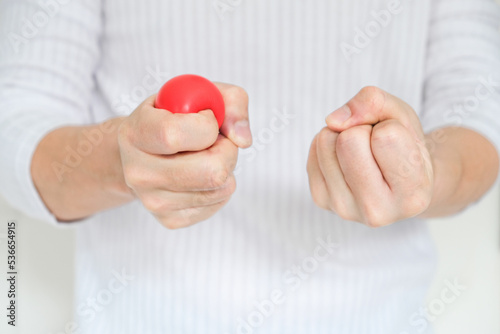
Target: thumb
[[235, 126], [370, 106]]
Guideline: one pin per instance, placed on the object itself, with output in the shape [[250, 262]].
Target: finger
[[403, 162], [158, 131], [236, 126], [160, 201], [361, 171], [188, 217], [341, 197], [189, 171], [317, 183], [371, 106]]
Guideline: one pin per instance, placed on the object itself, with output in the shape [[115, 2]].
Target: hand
[[370, 164], [178, 165]]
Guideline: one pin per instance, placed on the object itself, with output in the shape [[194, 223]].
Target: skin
[[177, 165], [372, 163]]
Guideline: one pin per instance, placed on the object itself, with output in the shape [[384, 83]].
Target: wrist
[[447, 168], [106, 166]]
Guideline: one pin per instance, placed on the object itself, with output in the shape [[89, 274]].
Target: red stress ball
[[190, 93]]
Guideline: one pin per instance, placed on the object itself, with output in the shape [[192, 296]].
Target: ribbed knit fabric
[[98, 59]]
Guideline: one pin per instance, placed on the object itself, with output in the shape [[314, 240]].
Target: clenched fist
[[370, 164], [178, 165]]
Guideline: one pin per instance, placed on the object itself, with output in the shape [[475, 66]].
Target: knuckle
[[215, 196], [326, 139], [373, 216], [218, 178], [134, 177], [180, 218], [388, 133], [175, 223], [205, 121], [346, 215], [344, 139], [229, 188], [170, 136], [373, 96], [319, 199], [155, 204], [371, 91], [227, 157], [211, 127], [339, 207], [218, 173], [417, 203], [348, 137], [236, 94], [151, 204]]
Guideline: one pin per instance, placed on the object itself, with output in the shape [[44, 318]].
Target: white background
[[468, 245]]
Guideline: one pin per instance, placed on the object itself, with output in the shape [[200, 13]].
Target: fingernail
[[242, 131], [339, 116]]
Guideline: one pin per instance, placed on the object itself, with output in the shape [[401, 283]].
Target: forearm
[[77, 171], [465, 166]]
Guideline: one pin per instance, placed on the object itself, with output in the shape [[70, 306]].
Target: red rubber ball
[[191, 93]]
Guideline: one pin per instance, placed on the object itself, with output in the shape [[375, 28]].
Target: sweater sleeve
[[50, 50], [462, 79]]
